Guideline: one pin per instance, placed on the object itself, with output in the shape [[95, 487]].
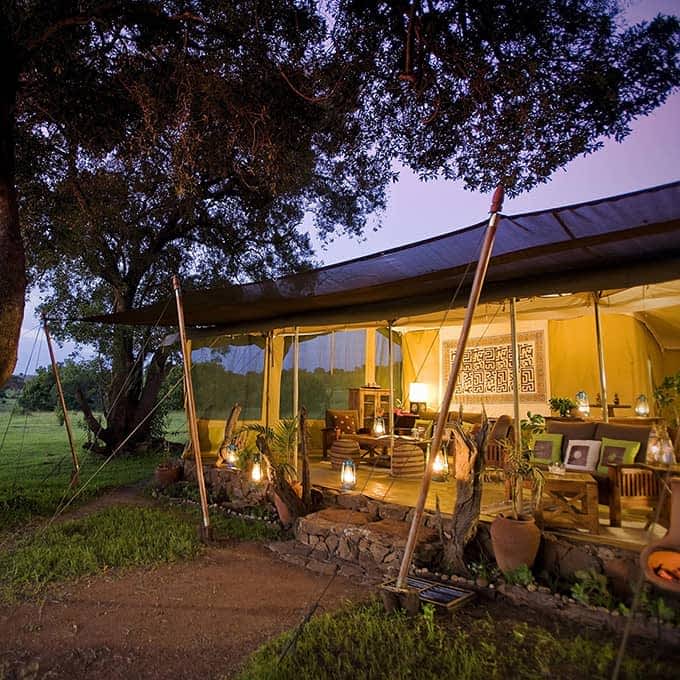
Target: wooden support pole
[[480, 274], [296, 392], [191, 412], [515, 374], [600, 358], [75, 471], [390, 417]]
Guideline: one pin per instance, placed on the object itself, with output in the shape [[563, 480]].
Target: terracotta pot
[[515, 542], [660, 560], [166, 475]]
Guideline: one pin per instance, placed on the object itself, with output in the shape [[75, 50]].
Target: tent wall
[[421, 364], [671, 362]]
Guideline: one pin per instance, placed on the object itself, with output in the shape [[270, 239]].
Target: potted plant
[[515, 537], [562, 405]]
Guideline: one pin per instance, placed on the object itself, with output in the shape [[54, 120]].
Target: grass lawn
[[35, 465]]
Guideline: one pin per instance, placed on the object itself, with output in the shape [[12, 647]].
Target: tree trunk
[[469, 464], [13, 264]]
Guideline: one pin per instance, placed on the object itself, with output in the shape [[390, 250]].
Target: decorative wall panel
[[486, 371]]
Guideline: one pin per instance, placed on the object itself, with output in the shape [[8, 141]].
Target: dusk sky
[[649, 156]]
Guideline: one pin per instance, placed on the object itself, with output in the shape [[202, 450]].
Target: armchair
[[346, 420]]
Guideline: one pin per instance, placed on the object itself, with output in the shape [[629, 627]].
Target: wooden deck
[[377, 483]]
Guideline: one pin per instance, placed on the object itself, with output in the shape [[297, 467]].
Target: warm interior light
[[440, 467], [417, 391], [582, 403], [653, 447], [379, 426], [641, 406], [256, 474], [348, 474]]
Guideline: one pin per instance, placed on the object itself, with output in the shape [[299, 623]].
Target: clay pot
[[166, 474], [660, 560], [515, 541]]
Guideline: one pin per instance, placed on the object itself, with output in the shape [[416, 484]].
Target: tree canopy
[[143, 138]]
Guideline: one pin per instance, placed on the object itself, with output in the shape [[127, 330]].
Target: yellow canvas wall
[[629, 350], [420, 351]]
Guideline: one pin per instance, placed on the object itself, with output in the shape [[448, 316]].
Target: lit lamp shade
[[348, 475], [582, 403], [417, 396], [641, 406]]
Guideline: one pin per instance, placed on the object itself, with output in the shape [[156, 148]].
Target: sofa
[[624, 484]]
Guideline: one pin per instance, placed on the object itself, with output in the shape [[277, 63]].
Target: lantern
[[653, 447], [667, 453], [641, 406], [582, 403], [232, 456], [440, 466], [348, 475], [256, 473], [378, 426]]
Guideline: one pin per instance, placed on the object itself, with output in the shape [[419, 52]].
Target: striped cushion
[[343, 449], [407, 459]]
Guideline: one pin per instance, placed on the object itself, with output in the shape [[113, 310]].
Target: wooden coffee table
[[569, 500]]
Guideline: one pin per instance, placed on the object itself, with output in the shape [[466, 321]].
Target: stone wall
[[232, 484]]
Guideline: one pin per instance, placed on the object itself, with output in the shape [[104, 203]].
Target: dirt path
[[196, 619]]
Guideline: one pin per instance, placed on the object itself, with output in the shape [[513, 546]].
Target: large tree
[[192, 136]]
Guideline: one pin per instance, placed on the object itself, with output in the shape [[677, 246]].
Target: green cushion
[[426, 425], [618, 451], [547, 448]]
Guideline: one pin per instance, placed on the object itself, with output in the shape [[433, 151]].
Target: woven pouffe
[[408, 460], [343, 449]]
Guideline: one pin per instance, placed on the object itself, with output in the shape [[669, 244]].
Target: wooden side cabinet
[[367, 401]]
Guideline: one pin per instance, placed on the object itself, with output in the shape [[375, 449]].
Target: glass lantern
[[667, 453], [348, 475], [641, 406], [378, 426], [440, 466], [232, 456], [256, 472], [582, 403], [653, 447]]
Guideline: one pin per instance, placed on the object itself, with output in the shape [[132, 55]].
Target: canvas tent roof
[[610, 244]]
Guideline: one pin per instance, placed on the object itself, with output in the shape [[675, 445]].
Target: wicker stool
[[343, 449], [408, 460]]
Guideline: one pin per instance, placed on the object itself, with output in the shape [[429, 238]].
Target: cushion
[[582, 455], [629, 433], [576, 430], [547, 448], [345, 420], [616, 452]]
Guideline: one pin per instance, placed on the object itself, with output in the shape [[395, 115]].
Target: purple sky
[[649, 156]]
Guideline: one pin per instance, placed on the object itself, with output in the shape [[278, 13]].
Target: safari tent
[[334, 324]]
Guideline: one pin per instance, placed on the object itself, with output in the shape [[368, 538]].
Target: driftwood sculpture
[[469, 464]]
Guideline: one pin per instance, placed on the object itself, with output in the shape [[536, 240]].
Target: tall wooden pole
[[515, 374], [390, 363], [75, 472], [600, 358], [480, 274], [191, 412], [296, 392]]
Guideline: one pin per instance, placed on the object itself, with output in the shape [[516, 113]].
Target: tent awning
[[607, 244]]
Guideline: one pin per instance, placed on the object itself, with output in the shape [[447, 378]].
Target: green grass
[[364, 642], [35, 466], [115, 537]]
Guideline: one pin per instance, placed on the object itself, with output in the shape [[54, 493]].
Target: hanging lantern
[[232, 456], [256, 473], [378, 426], [348, 475], [641, 406], [440, 466], [582, 403]]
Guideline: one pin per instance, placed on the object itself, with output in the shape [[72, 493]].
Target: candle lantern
[[642, 406], [256, 472], [348, 475], [653, 447], [582, 403], [232, 456], [378, 426], [440, 466]]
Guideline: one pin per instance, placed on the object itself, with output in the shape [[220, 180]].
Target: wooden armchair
[[631, 486], [347, 421]]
